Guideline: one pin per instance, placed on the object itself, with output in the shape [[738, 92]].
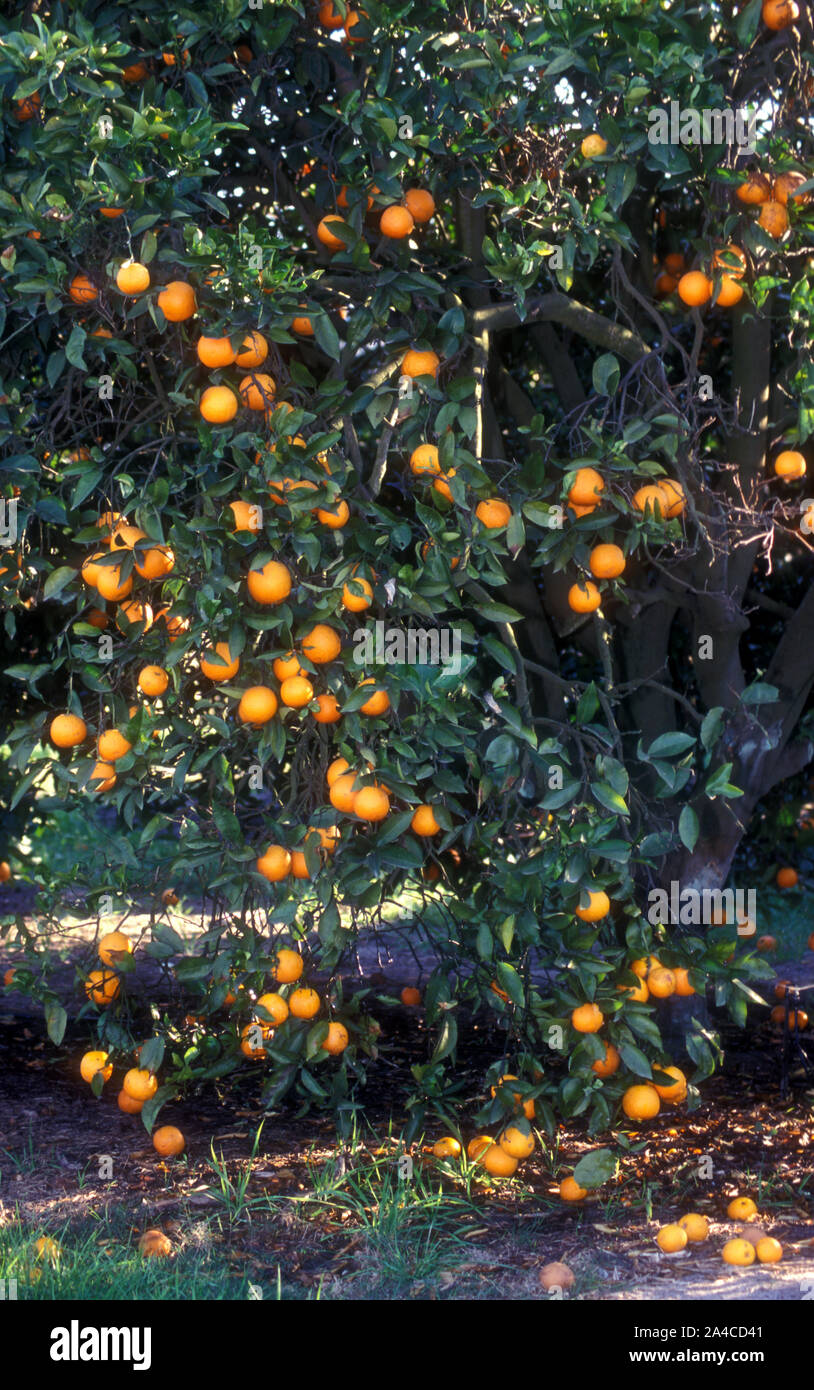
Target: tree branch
[[558, 308]]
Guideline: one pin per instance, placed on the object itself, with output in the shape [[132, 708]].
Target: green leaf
[[670, 744], [719, 784], [74, 347], [57, 580], [711, 727], [499, 613], [510, 981], [152, 1054], [688, 828], [326, 336], [151, 1107], [484, 942], [596, 1167], [620, 181], [610, 799], [605, 374], [760, 694], [635, 1060], [55, 1019], [447, 1039]]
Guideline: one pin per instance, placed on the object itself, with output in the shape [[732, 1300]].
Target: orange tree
[[322, 324]]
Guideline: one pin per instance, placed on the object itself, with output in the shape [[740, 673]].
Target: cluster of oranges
[[270, 1010], [492, 512], [396, 221], [501, 1156], [693, 1229], [695, 287], [663, 501], [102, 985]]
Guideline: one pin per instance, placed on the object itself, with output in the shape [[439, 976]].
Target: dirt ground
[[742, 1139]]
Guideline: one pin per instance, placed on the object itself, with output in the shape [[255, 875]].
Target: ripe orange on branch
[[296, 692], [695, 288], [177, 301], [271, 584], [218, 405], [68, 731], [416, 363], [584, 597], [219, 665], [327, 236], [641, 1102], [133, 278], [81, 290], [257, 705], [215, 352], [587, 1018], [420, 204], [253, 351]]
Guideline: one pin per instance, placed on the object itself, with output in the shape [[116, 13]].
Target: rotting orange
[[774, 219], [738, 1252], [696, 1226]]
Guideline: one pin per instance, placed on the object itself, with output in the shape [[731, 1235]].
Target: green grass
[[101, 1260]]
